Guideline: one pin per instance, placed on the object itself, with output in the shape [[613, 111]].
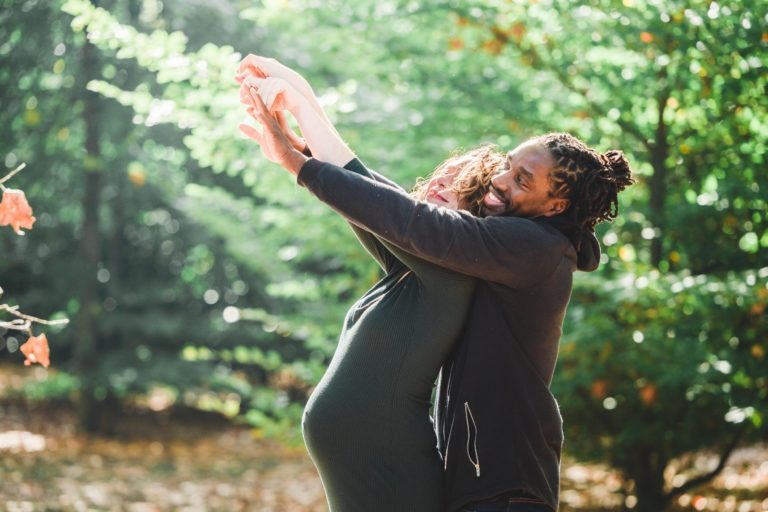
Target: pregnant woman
[[366, 425]]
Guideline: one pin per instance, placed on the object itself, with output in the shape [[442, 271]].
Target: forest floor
[[199, 462]]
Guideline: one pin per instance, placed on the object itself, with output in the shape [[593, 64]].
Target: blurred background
[[205, 290]]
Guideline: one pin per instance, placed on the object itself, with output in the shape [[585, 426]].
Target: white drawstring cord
[[467, 416]]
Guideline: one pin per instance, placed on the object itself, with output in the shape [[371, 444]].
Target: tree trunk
[[658, 184], [648, 475], [86, 350]]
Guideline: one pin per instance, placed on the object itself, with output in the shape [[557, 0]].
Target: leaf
[[36, 350], [15, 211]]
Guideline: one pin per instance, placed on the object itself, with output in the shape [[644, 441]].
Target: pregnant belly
[[338, 418]]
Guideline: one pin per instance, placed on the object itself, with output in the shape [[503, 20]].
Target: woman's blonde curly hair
[[476, 168]]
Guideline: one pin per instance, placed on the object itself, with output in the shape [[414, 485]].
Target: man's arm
[[512, 251]]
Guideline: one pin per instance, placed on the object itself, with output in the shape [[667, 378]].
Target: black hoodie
[[498, 426]]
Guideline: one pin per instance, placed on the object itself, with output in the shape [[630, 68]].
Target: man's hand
[[273, 142], [277, 96]]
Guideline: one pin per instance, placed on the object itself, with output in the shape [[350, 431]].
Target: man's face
[[522, 188]]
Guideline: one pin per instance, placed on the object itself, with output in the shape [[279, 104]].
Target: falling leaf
[[646, 37], [15, 211], [36, 350]]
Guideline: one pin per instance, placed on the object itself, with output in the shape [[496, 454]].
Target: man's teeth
[[494, 199]]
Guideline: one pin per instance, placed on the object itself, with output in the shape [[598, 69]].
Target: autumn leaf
[[648, 394], [493, 46], [517, 31], [15, 211], [137, 177], [599, 389], [646, 37], [36, 350]]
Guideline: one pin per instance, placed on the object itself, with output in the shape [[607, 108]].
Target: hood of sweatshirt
[[585, 242]]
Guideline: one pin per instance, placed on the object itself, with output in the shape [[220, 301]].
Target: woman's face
[[439, 191]]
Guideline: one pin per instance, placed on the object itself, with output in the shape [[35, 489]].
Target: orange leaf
[[648, 394], [517, 31], [455, 43], [36, 350], [137, 177], [493, 47], [15, 211], [599, 389], [646, 37], [462, 21]]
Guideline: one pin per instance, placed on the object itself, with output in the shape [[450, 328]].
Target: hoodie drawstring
[[468, 416]]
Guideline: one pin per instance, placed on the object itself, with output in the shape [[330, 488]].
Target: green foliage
[[225, 283], [647, 357], [56, 386]]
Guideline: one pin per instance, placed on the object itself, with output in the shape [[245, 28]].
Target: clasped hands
[[269, 89]]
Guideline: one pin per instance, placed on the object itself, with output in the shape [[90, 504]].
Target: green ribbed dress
[[367, 425]]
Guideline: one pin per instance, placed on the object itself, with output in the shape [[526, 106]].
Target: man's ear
[[557, 206]]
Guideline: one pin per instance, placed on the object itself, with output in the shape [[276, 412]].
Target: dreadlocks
[[589, 180]]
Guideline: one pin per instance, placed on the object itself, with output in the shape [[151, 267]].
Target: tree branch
[[24, 322], [564, 79], [706, 477], [10, 175]]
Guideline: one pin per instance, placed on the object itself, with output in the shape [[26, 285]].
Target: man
[[498, 426]]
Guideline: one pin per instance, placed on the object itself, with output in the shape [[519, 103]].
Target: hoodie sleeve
[[512, 251]]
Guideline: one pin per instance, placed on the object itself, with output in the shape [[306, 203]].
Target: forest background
[[198, 276]]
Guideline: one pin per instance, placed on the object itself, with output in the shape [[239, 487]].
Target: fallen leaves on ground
[[46, 465], [190, 461]]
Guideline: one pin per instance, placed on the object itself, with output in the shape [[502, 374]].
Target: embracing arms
[[513, 251]]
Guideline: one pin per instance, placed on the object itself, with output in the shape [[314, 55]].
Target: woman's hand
[[276, 93], [263, 67], [274, 143]]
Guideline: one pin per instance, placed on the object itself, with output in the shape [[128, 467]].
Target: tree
[[161, 278]]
